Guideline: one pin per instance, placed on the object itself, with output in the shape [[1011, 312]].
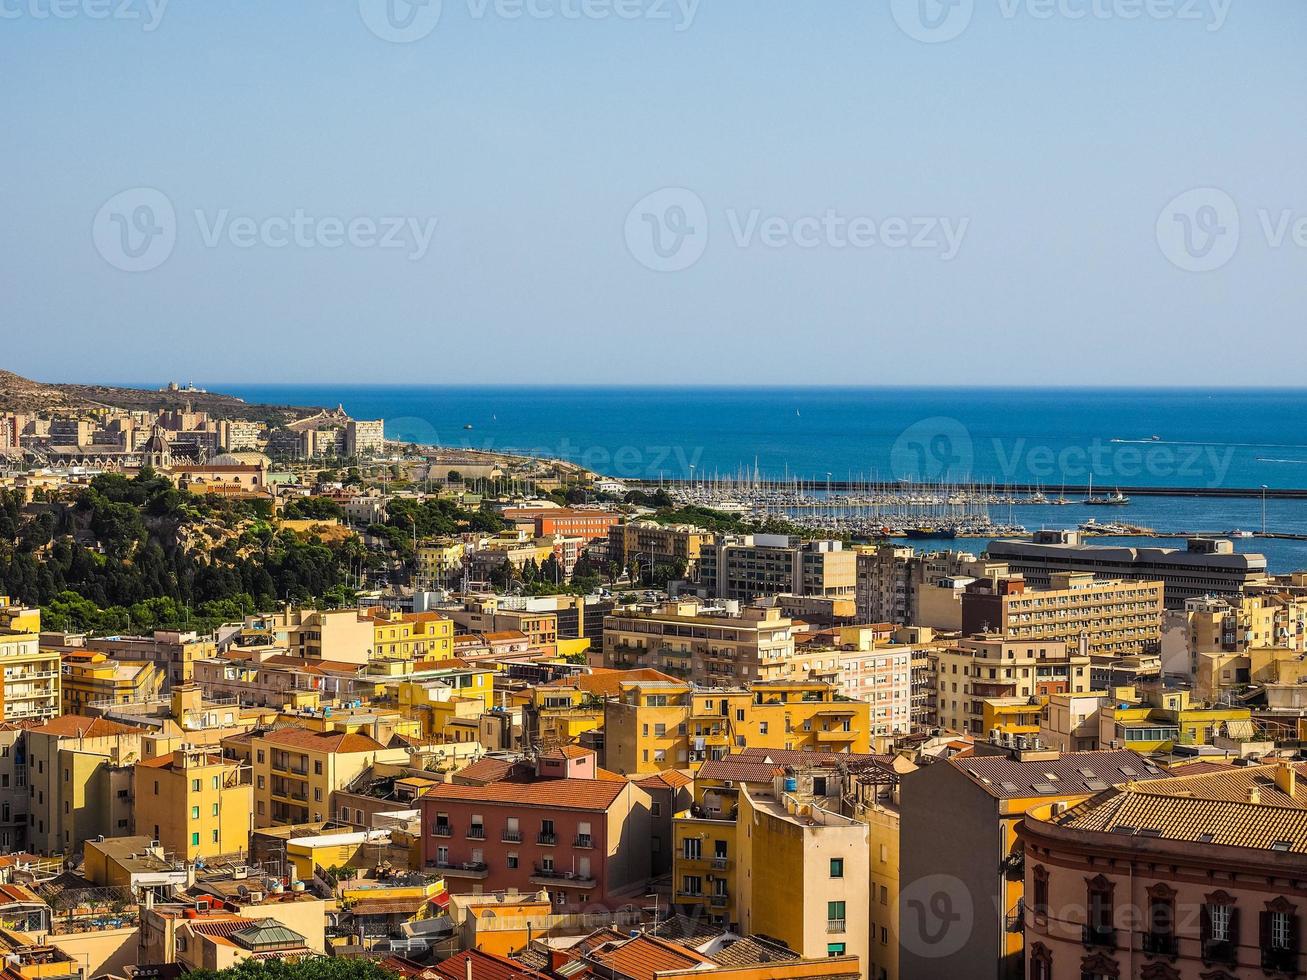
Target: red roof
[[485, 966], [79, 726], [558, 794], [304, 738]]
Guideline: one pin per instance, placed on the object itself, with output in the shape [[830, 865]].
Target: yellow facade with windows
[[194, 803]]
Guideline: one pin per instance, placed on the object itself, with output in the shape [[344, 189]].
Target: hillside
[[19, 394]]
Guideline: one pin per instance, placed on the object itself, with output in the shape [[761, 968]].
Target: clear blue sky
[[1059, 139]]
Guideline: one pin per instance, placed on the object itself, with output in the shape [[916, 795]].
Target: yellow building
[[30, 687], [195, 803], [91, 677], [1012, 716], [438, 563], [664, 724], [17, 617], [1108, 619], [1157, 720], [767, 850], [296, 770], [79, 772], [1222, 673], [410, 636], [717, 648]]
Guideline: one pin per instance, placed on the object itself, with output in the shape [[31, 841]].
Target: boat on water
[[1241, 534], [1117, 499]]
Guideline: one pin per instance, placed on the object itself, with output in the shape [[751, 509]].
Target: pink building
[[565, 826]]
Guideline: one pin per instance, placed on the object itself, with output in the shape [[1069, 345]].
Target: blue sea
[[1182, 438]]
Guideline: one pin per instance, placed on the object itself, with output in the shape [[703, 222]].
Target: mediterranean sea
[[1186, 438]]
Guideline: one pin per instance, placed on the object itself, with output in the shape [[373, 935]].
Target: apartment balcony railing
[[720, 863], [442, 830], [476, 832], [691, 896], [466, 869], [544, 838], [1275, 960], [834, 925], [1103, 936], [583, 840], [1161, 943], [553, 876], [719, 901], [511, 837]]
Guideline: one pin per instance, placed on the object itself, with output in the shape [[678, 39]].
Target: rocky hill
[[19, 394]]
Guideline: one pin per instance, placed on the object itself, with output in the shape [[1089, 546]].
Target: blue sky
[[849, 203]]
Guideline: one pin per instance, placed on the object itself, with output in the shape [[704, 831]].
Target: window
[[1098, 927], [195, 785], [195, 839], [835, 949], [692, 885], [834, 916], [692, 848], [1039, 903], [837, 867], [1279, 936], [1160, 937], [512, 861], [195, 813], [156, 787], [1041, 962], [656, 809], [1219, 928]]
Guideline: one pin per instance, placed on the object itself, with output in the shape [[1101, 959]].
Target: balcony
[[719, 901], [442, 830], [720, 863], [511, 837], [834, 925], [1100, 936], [583, 840], [1220, 951], [547, 838], [553, 877], [837, 736], [467, 869], [1161, 944], [1276, 960], [684, 896], [476, 832]]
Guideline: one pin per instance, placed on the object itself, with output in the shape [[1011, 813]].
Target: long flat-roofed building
[[1208, 566]]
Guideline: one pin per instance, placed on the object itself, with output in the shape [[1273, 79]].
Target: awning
[[441, 900]]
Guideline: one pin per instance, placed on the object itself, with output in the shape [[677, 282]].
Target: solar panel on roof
[[1095, 785], [1127, 771], [1150, 832], [1087, 773], [1123, 829], [1010, 787], [1281, 845], [1206, 838], [1043, 788]]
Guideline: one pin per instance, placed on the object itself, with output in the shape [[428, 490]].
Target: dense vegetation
[[139, 554], [319, 968]]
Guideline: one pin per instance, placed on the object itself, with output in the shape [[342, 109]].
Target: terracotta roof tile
[[559, 794], [304, 738], [79, 726]]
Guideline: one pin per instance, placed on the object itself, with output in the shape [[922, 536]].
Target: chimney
[[1286, 778], [467, 967]]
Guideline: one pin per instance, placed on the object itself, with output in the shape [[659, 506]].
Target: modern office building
[[750, 566], [1207, 566]]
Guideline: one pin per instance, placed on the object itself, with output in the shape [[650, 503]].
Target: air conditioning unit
[[1059, 808], [728, 783]]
